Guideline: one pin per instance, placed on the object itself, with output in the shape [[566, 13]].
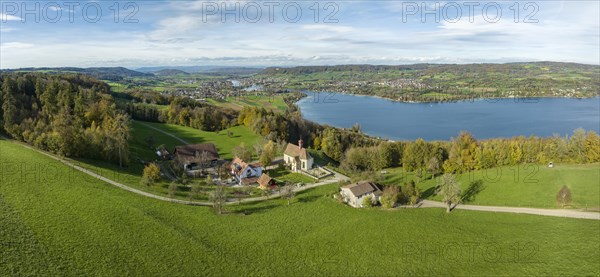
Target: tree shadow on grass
[[474, 188], [308, 198], [255, 209], [428, 192]]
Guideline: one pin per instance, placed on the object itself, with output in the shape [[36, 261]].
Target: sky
[[290, 33]]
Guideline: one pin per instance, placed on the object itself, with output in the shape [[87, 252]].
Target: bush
[[410, 193], [173, 189], [151, 174], [564, 196], [390, 197], [368, 202]]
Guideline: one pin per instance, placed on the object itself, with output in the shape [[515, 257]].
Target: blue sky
[[375, 32]]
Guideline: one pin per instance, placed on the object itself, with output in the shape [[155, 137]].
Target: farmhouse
[[245, 173], [355, 193], [195, 156], [297, 157], [266, 182]]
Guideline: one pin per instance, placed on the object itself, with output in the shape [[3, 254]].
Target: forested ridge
[[69, 114]]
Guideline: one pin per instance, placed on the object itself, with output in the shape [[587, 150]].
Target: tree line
[[186, 112], [68, 114], [465, 153], [291, 127]]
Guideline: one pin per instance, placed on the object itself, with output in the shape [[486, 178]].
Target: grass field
[[222, 141], [290, 177], [524, 185], [274, 102], [56, 221]]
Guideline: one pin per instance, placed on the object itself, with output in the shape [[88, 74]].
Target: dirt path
[[517, 210]]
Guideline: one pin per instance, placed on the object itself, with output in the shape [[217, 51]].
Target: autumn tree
[[592, 147], [150, 175], [218, 198], [390, 195], [287, 192], [243, 152], [195, 191], [449, 189], [410, 193], [120, 134], [461, 156], [268, 154], [332, 145], [433, 166], [173, 189]]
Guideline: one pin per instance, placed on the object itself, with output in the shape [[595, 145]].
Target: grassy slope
[[275, 102], [138, 147], [55, 220], [224, 143], [533, 186]]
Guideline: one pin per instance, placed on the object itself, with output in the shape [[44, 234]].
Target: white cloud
[[15, 45], [8, 17], [178, 35]]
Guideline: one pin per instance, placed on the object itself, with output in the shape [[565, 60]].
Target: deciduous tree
[[449, 189], [218, 198]]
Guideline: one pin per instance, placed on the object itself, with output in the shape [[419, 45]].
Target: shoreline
[[532, 100], [466, 99]]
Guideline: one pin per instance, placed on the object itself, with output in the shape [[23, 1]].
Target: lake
[[484, 118]]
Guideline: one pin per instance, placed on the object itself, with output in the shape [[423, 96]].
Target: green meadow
[[224, 142], [269, 102], [56, 221], [527, 185]]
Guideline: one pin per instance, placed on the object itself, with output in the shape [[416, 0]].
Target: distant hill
[[207, 69], [506, 67], [170, 72], [441, 82], [103, 73]]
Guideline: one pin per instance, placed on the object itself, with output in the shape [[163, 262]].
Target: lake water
[[484, 118]]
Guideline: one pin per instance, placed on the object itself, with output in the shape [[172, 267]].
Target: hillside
[[103, 73], [170, 72], [441, 82], [74, 225], [207, 69]]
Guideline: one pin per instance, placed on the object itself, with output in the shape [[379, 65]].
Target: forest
[[71, 115]]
